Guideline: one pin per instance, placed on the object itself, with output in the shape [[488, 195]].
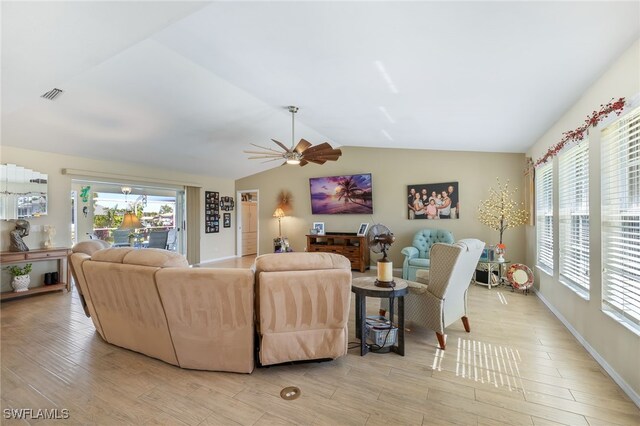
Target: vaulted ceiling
[[188, 85]]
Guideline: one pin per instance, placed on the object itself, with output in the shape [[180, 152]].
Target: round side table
[[365, 287]]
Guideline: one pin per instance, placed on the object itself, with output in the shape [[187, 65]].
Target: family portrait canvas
[[350, 194], [433, 201]]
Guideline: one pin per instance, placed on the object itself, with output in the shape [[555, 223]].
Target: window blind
[[544, 216], [573, 210], [621, 218]]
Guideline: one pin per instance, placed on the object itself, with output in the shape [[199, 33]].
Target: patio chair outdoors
[[158, 239], [121, 238], [172, 239]]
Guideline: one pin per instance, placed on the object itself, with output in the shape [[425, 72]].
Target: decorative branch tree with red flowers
[[578, 134], [500, 211]]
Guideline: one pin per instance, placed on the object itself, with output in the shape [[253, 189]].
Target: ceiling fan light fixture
[[300, 154], [292, 158]]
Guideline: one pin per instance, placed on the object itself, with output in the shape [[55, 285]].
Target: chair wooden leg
[[465, 322], [440, 340]]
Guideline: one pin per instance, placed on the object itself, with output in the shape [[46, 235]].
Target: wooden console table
[[59, 253], [352, 247]]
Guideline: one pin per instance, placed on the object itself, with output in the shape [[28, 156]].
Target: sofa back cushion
[[210, 316], [128, 305], [300, 262], [425, 238], [159, 258], [89, 247]]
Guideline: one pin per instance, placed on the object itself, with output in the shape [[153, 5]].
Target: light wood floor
[[518, 365]]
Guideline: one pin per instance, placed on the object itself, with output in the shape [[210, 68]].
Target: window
[[573, 206], [544, 216], [621, 219]]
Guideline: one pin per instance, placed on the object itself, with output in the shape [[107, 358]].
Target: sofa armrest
[[410, 252]]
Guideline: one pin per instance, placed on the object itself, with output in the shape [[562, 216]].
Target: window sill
[[622, 321], [545, 269], [579, 291]]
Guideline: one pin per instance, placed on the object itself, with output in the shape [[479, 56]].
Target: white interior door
[[247, 220]]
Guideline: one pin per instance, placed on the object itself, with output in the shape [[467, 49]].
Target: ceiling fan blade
[[264, 153], [303, 162], [315, 160], [329, 153], [322, 147], [257, 157], [302, 146], [272, 159], [322, 152], [265, 148], [281, 145], [323, 157]]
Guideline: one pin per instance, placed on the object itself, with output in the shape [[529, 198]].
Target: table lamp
[[279, 213]]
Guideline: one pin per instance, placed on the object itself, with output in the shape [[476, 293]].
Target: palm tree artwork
[[341, 194]]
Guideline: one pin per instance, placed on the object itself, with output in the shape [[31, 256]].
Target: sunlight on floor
[[484, 363]]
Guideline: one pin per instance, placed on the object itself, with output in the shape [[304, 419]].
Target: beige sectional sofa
[[152, 302]]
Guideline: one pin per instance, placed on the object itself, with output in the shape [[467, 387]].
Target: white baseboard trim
[[614, 375], [218, 259]]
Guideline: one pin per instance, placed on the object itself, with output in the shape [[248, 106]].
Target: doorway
[[248, 222], [99, 209]]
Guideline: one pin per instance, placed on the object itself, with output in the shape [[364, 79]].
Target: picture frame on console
[[362, 230], [319, 227]]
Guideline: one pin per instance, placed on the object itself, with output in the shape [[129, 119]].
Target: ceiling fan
[[303, 153]]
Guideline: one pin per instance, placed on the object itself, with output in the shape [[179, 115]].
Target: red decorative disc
[[520, 276]]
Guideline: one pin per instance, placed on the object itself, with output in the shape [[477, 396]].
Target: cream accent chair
[[302, 306], [439, 298]]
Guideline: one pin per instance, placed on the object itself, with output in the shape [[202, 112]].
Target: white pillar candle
[[385, 271]]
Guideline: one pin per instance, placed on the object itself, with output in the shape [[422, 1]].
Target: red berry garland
[[578, 134]]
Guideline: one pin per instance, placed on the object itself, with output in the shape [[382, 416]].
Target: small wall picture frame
[[362, 230], [226, 221], [319, 226], [211, 212]]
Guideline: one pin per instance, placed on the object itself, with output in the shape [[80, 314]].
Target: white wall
[[617, 347], [212, 246]]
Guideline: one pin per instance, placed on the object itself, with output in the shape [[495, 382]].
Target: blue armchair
[[417, 256]]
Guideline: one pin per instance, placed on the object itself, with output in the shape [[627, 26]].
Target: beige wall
[[617, 346], [212, 246], [392, 170]]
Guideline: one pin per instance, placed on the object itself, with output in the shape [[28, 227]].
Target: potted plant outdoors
[[21, 278]]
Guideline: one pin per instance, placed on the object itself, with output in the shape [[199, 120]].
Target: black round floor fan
[[380, 239]]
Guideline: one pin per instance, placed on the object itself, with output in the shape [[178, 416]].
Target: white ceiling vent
[[52, 94]]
